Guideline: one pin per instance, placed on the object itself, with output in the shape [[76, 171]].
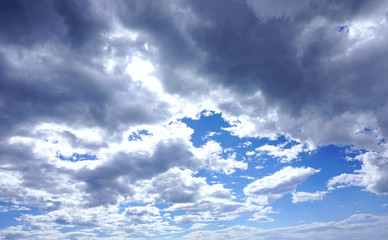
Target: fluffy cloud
[[180, 186], [153, 167], [284, 154], [372, 175], [270, 188], [212, 152]]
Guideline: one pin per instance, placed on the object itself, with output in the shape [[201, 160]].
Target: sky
[[205, 119]]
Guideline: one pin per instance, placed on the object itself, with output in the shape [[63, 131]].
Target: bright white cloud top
[[181, 119]]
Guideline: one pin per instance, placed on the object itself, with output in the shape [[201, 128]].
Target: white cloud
[[187, 219], [307, 197], [261, 216], [218, 209], [373, 175], [13, 208], [248, 177], [180, 186], [199, 200], [198, 226], [285, 155], [211, 155], [250, 153], [270, 188], [359, 226], [210, 134]]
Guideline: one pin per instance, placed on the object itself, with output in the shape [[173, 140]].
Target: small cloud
[[285, 155], [261, 219], [250, 153], [198, 226], [247, 177], [207, 113], [210, 134], [307, 197], [13, 208], [245, 144]]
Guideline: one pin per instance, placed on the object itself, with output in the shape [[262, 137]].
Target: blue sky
[[188, 120]]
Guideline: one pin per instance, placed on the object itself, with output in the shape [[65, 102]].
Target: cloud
[[187, 219], [270, 188], [198, 226], [78, 79], [12, 208], [284, 154], [307, 197], [291, 96], [113, 178], [179, 186], [372, 175], [267, 10], [211, 152], [359, 226]]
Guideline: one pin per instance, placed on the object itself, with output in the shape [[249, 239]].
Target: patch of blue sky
[[343, 28], [137, 136], [75, 157], [203, 126], [335, 206], [9, 216], [52, 141], [176, 212], [331, 160], [103, 235], [71, 229], [215, 123]]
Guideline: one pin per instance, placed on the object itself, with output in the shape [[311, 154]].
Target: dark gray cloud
[[29, 22], [301, 63], [172, 187], [299, 60], [52, 61], [114, 178], [82, 23], [30, 179], [75, 97]]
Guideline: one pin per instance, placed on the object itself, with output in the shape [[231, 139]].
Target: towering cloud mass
[[185, 119]]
